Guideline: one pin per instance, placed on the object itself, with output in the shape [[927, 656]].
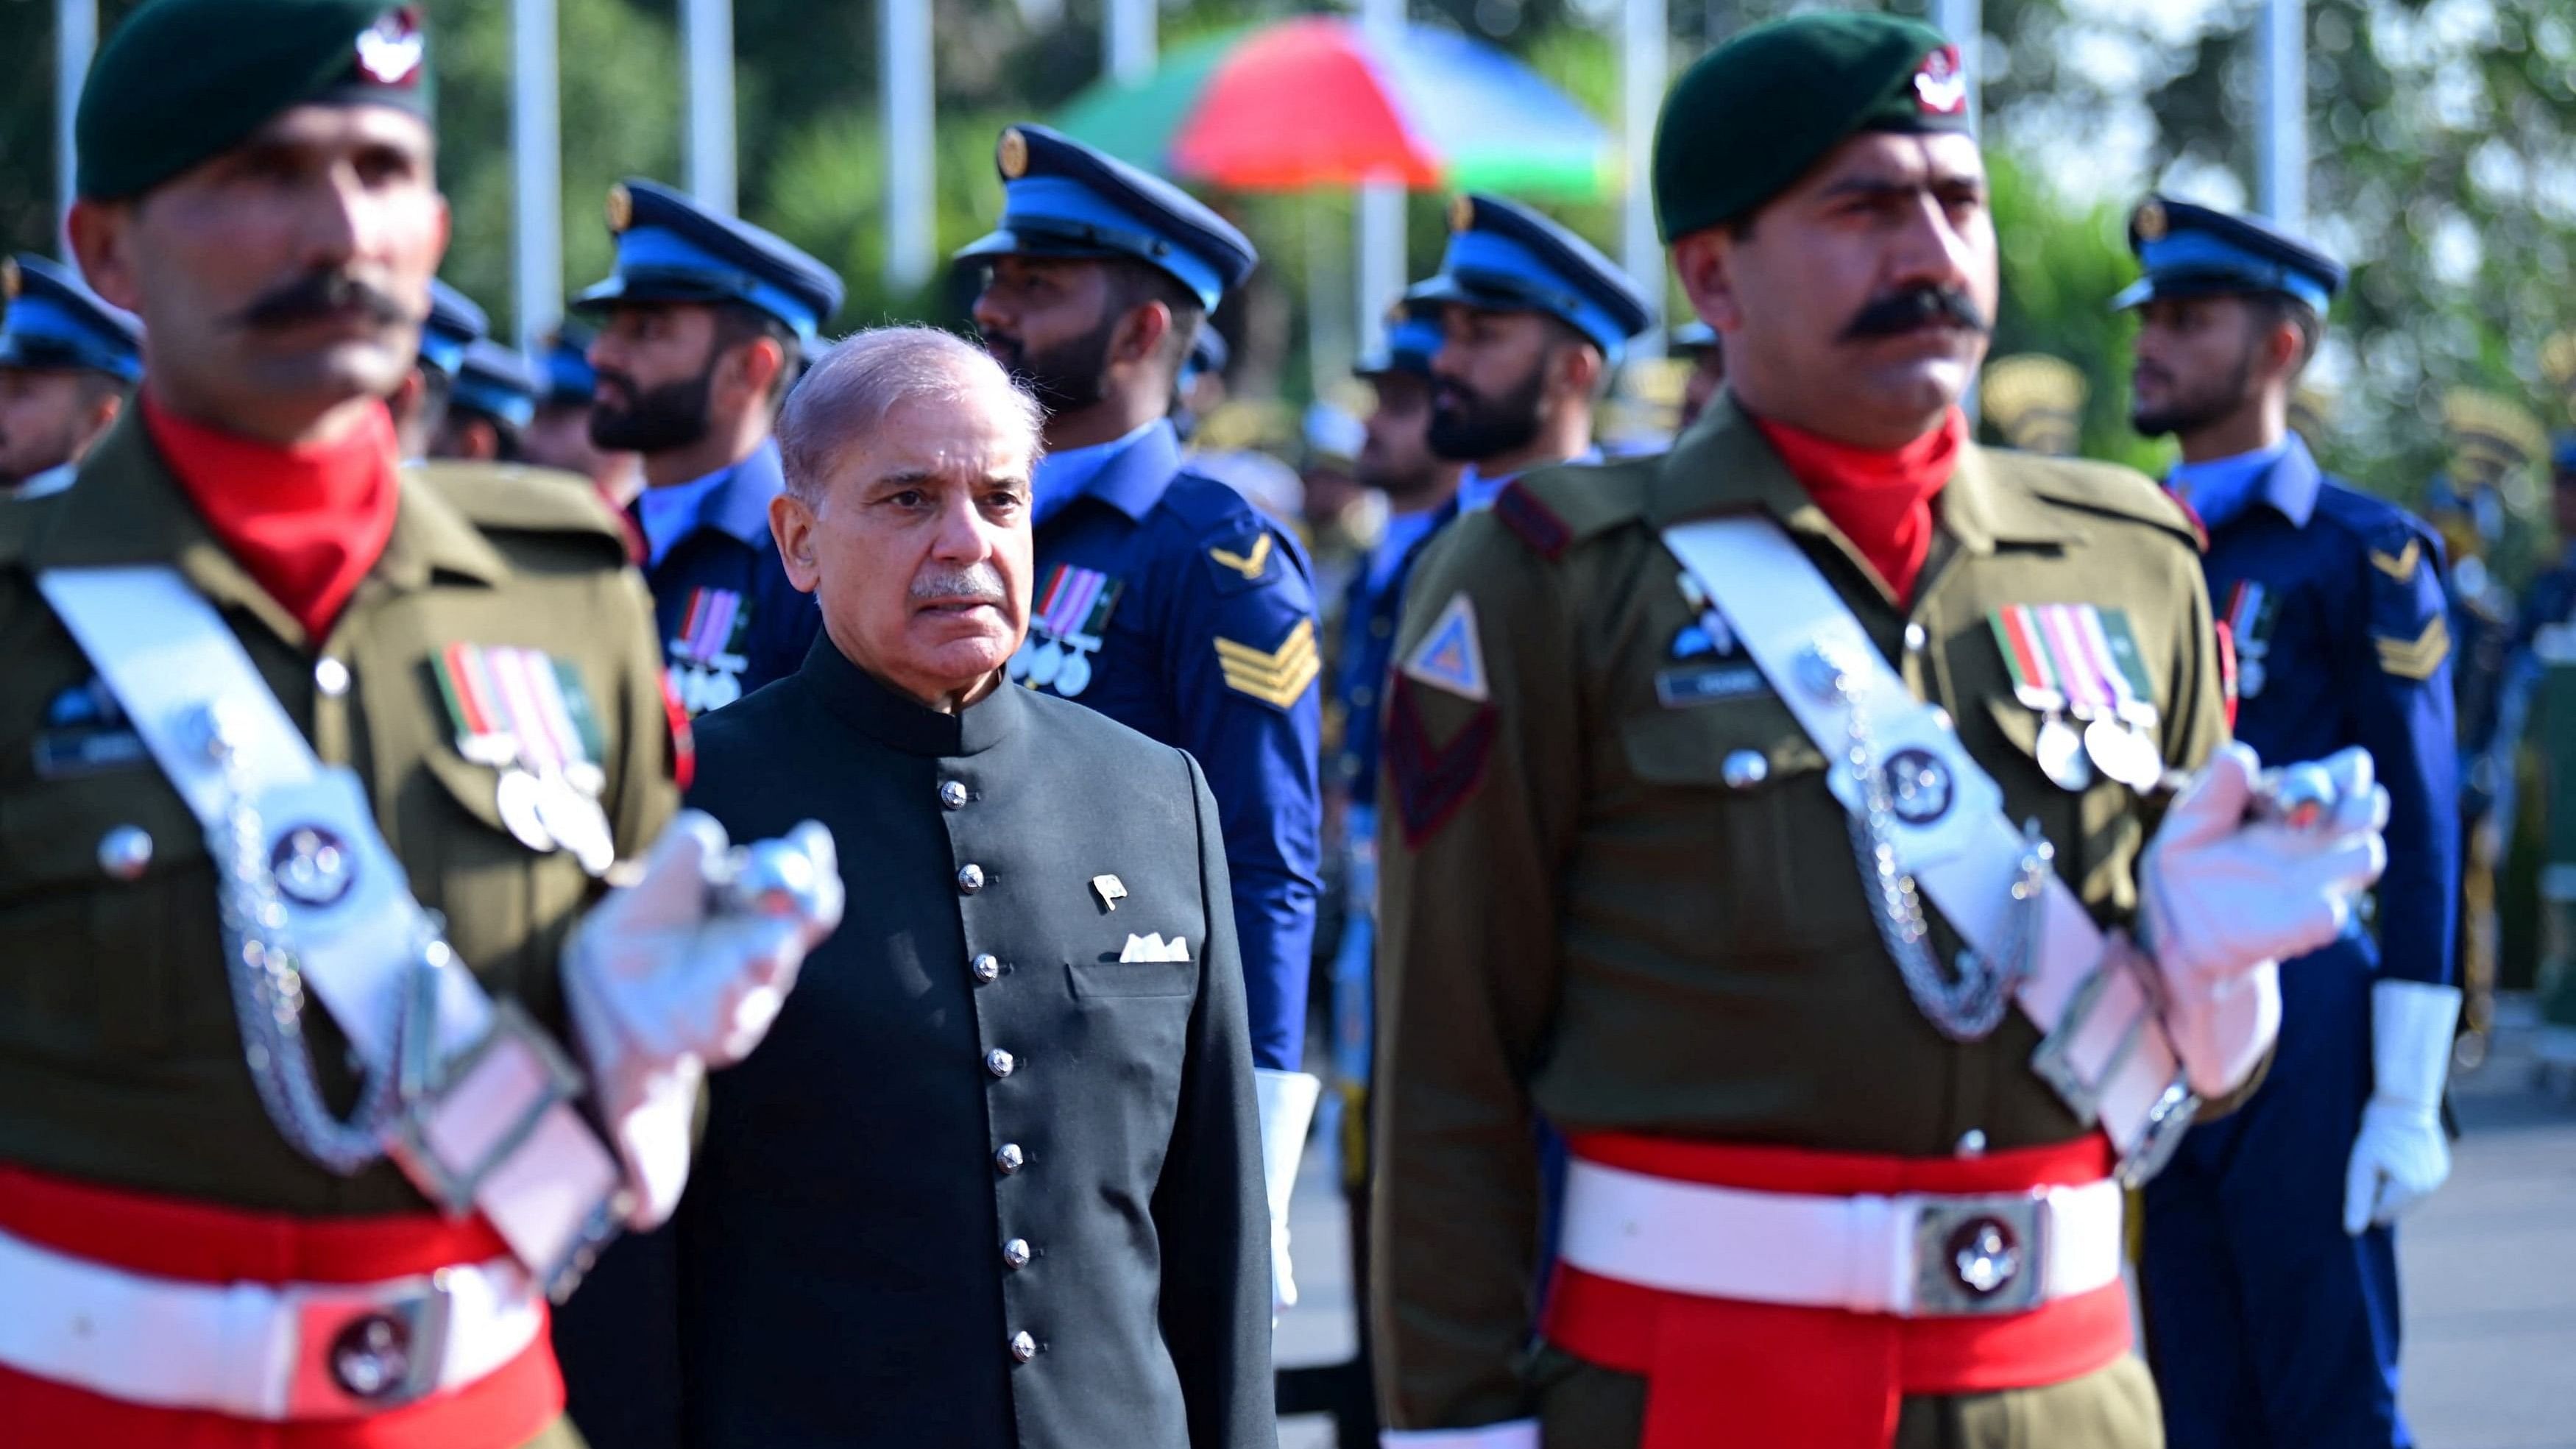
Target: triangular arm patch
[[1450, 657]]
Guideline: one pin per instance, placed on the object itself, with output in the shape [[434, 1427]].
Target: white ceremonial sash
[[537, 1170], [2111, 1060]]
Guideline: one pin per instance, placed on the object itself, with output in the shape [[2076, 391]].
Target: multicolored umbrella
[[1322, 101]]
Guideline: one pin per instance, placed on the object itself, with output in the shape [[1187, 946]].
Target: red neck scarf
[[1882, 502], [305, 522]]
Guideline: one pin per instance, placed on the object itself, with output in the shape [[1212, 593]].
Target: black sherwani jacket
[[985, 1184]]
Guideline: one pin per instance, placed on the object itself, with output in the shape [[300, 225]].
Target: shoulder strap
[[357, 935], [2106, 1051]]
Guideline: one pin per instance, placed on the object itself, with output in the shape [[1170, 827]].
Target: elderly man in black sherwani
[[996, 1180]]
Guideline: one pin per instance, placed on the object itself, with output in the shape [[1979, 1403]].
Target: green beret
[[185, 80], [1748, 119]]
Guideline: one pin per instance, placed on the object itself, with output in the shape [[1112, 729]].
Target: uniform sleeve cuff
[[1517, 1434]]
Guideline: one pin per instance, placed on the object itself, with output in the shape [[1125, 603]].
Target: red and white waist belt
[[1779, 1297], [381, 1332]]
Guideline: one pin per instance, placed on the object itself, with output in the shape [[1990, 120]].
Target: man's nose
[[964, 536]]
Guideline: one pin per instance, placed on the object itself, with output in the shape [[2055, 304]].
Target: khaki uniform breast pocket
[[1736, 791], [107, 908]]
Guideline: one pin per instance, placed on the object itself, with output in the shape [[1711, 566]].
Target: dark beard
[[2190, 414], [1068, 377], [673, 415], [1466, 427]]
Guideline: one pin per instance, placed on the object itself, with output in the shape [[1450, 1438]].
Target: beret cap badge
[[1013, 154], [1940, 86], [390, 51]]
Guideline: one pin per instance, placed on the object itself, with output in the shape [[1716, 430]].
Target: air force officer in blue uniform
[[1162, 598], [704, 323], [2270, 1275]]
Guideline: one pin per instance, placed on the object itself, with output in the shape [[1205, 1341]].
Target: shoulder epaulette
[[513, 499], [1552, 509], [2105, 489], [2374, 520]]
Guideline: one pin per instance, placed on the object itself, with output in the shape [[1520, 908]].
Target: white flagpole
[[75, 37], [2281, 144], [536, 138], [1381, 204], [706, 34], [1645, 69], [1131, 40], [909, 124]]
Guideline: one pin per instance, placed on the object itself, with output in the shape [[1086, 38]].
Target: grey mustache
[[981, 582]]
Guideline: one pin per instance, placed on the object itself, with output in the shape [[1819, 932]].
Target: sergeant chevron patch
[[2418, 657], [1432, 780], [2401, 564], [1276, 677]]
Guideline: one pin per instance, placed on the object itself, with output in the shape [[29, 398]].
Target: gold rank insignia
[[2149, 221], [1012, 156], [2418, 657], [621, 209], [1462, 214], [1276, 677], [8, 279], [1250, 564], [2401, 564]]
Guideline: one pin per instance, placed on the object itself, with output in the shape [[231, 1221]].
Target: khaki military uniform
[[120, 1062], [1619, 914]]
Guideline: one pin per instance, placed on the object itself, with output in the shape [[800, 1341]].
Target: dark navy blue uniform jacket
[[1204, 612], [730, 621], [2347, 643]]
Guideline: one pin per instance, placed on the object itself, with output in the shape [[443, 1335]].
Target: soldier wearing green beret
[[327, 1054], [1788, 823]]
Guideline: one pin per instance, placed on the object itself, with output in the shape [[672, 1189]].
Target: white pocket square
[[1155, 948]]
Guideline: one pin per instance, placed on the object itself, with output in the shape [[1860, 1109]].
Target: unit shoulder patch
[[1450, 656], [1276, 677]]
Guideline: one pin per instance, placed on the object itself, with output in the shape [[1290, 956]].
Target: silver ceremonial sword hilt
[[768, 878], [2298, 796]]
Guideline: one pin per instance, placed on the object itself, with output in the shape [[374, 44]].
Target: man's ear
[[1705, 263], [1579, 367], [791, 524], [753, 368], [1140, 334], [99, 231]]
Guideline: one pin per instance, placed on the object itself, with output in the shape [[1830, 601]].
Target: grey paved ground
[[2489, 1265]]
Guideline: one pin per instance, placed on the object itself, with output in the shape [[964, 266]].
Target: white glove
[[2401, 1156], [685, 970], [2225, 899], [1286, 1102]]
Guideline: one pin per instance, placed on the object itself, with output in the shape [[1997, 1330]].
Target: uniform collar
[[1723, 464], [863, 702], [41, 485], [2286, 477], [1129, 474], [1477, 492], [733, 501], [130, 509]]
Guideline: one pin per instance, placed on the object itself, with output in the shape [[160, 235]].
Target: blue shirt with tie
[[730, 622], [1167, 602]]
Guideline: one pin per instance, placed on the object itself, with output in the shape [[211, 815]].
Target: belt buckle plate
[[1979, 1255], [515, 1062], [365, 1350]]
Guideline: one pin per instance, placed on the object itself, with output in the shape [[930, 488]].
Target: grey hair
[[851, 388]]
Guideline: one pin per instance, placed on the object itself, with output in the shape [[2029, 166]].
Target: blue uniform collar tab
[[1129, 474]]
